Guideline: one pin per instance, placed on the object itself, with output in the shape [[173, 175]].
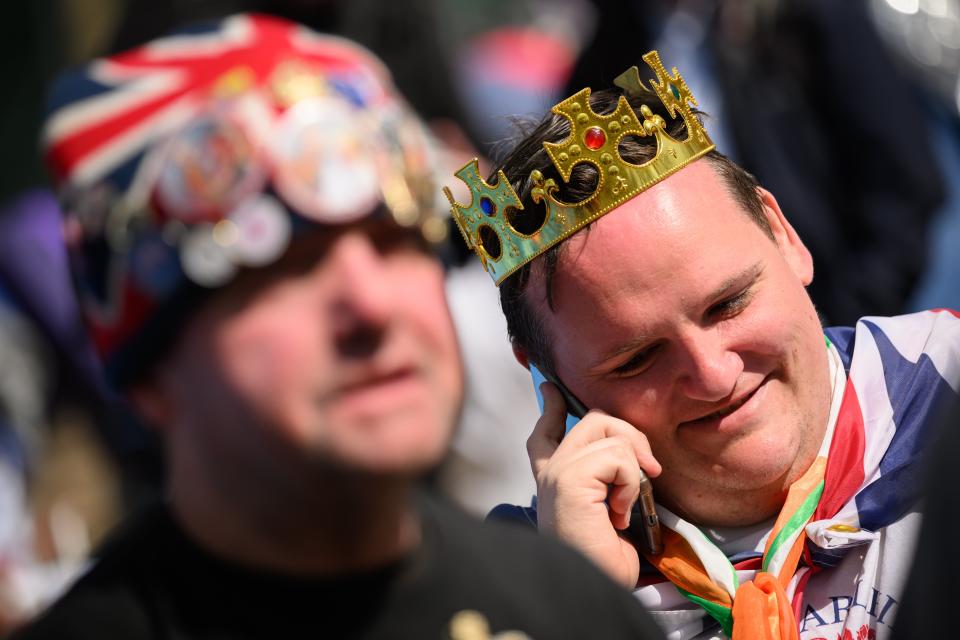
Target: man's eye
[[640, 361], [731, 306]]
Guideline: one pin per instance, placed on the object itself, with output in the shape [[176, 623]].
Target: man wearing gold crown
[[251, 216], [659, 286]]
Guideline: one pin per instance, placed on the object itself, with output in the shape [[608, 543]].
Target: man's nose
[[711, 370], [361, 300]]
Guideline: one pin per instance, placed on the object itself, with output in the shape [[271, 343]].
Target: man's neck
[[741, 508], [328, 526]]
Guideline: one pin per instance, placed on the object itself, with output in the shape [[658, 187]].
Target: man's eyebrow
[[745, 277], [621, 349]]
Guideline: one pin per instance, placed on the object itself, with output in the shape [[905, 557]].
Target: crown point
[[594, 138]]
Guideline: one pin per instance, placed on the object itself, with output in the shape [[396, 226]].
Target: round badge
[[263, 231], [206, 170], [203, 259], [323, 163]]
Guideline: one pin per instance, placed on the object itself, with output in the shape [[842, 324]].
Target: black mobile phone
[[644, 526]]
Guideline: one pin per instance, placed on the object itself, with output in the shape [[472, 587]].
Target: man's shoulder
[[511, 535], [134, 550], [519, 554], [941, 323], [509, 566], [91, 612], [106, 599], [504, 548], [923, 338]]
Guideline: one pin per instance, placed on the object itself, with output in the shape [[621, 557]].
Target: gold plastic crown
[[486, 222]]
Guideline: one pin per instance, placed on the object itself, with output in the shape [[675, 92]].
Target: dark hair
[[523, 325]]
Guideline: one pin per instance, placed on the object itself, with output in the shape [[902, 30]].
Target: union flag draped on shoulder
[[887, 421]]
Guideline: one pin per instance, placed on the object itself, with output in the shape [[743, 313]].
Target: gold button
[[843, 528]]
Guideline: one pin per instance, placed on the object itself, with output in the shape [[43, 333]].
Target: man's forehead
[[676, 221], [670, 250]]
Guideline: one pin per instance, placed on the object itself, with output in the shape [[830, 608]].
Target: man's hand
[[588, 481]]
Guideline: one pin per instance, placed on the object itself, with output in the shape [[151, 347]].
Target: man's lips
[[377, 392], [724, 411], [375, 379]]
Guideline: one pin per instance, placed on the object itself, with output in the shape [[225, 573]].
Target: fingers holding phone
[[588, 480]]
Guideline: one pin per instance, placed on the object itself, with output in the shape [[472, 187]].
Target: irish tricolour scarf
[[889, 378]]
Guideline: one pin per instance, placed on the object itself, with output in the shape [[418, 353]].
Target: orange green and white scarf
[[704, 574]]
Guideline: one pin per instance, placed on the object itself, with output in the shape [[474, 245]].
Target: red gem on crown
[[594, 137]]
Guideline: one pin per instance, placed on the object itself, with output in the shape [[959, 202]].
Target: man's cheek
[[641, 403], [267, 366]]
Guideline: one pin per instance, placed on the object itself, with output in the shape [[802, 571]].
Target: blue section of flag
[[123, 174], [347, 87], [827, 557], [73, 86], [843, 338], [198, 28], [916, 391]]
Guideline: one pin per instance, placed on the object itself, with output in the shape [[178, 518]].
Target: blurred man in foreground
[[251, 208], [661, 288]]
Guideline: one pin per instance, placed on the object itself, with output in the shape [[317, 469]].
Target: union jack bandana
[[196, 155]]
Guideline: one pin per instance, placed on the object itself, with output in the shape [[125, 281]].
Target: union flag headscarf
[[194, 156]]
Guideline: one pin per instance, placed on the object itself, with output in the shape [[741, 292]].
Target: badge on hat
[[207, 169], [323, 164]]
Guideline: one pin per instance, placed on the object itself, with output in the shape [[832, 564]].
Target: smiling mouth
[[398, 375], [721, 413]]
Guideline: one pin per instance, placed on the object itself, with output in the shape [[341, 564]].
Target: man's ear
[[521, 356], [788, 242]]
